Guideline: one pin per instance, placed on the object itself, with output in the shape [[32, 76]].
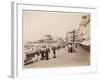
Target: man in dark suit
[[46, 53], [42, 53], [54, 52]]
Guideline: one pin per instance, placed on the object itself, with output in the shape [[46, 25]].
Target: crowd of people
[[44, 52]]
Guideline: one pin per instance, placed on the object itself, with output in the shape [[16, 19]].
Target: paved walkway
[[79, 57]]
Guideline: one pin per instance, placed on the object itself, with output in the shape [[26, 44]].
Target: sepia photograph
[[56, 39]]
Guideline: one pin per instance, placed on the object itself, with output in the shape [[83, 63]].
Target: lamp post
[[73, 36]]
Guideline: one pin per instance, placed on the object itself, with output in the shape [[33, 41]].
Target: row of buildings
[[82, 34]]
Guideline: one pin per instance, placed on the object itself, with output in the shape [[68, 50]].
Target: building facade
[[73, 36], [84, 31]]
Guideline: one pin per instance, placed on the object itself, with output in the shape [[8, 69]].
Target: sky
[[36, 24]]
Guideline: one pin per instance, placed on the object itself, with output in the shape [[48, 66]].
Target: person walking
[[46, 54], [69, 48], [54, 52], [42, 53], [76, 46]]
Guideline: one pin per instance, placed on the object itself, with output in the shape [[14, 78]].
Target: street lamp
[[73, 36]]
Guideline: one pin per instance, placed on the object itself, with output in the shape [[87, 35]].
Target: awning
[[87, 42]]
